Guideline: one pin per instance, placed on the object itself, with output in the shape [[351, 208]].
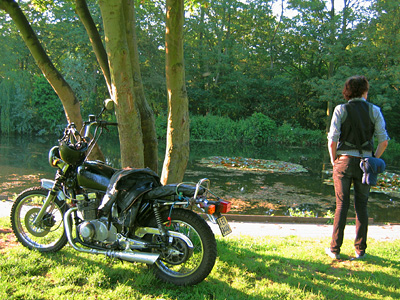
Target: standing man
[[350, 137]]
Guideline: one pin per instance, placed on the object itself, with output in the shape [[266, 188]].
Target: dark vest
[[357, 130]]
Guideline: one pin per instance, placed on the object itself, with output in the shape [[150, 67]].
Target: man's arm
[[332, 151], [381, 148], [380, 132]]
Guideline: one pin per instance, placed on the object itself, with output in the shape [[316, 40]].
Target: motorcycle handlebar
[[102, 124], [111, 124]]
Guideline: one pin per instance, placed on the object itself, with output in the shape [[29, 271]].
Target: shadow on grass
[[342, 279], [138, 277], [244, 270]]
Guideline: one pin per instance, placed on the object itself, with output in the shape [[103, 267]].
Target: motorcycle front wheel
[[48, 235], [185, 261]]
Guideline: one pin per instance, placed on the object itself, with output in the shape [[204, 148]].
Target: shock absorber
[[160, 225]]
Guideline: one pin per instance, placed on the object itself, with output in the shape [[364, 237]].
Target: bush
[[47, 107], [257, 129], [392, 153], [288, 135], [285, 134], [209, 127]]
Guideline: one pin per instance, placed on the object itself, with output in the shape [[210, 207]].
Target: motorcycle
[[125, 214]]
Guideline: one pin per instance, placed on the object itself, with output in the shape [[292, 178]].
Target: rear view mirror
[[109, 104]]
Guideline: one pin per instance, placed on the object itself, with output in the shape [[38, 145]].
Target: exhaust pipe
[[127, 255], [134, 256]]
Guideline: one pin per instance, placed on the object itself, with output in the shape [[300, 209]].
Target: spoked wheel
[[46, 235], [188, 259]]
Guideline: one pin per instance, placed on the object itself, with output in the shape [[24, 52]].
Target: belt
[[347, 156]]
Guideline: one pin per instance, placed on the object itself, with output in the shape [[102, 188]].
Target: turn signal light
[[224, 206], [54, 162], [210, 209]]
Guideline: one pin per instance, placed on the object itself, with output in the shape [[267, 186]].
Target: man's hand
[[332, 151]]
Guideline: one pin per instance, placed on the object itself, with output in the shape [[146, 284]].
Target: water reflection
[[23, 162], [266, 193]]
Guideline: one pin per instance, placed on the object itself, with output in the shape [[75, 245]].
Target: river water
[[23, 162]]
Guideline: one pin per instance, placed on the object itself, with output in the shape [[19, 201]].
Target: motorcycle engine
[[94, 229], [97, 231]]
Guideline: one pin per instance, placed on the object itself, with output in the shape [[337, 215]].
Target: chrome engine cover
[[97, 230]]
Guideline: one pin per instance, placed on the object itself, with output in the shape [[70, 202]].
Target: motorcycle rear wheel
[[49, 235], [181, 264]]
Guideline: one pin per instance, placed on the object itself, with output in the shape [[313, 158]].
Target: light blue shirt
[[340, 114]]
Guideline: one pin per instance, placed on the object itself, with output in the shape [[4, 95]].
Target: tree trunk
[[84, 15], [177, 149], [60, 86], [147, 118], [127, 112]]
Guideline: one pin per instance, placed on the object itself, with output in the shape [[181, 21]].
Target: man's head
[[355, 87]]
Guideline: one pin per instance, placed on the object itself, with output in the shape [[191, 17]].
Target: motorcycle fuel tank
[[95, 175]]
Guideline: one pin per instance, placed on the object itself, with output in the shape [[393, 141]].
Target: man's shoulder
[[340, 108]]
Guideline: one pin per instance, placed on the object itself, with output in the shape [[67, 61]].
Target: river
[[23, 162]]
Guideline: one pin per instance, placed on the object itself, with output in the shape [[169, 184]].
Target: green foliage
[[331, 215], [16, 114], [42, 5], [289, 135], [212, 127], [161, 126], [296, 212], [240, 59], [392, 153], [257, 129], [48, 110]]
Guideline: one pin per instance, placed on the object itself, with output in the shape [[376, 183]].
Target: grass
[[247, 268]]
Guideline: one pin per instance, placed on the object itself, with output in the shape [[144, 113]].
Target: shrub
[[257, 129], [48, 109], [288, 135], [211, 127]]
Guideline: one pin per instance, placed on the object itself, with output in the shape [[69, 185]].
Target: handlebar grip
[[112, 124]]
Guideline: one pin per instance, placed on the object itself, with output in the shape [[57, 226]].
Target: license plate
[[224, 226]]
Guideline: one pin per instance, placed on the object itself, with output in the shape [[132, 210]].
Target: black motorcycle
[[125, 214]]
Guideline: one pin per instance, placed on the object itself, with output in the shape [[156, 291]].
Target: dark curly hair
[[355, 87]]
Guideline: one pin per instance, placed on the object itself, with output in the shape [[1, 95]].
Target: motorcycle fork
[[49, 202]]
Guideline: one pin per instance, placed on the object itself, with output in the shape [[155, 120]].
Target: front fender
[[48, 185]]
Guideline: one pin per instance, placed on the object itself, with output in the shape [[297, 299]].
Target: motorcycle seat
[[176, 190]]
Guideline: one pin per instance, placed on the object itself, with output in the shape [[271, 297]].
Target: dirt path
[[379, 232]]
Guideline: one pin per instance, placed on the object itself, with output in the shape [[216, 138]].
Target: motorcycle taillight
[[224, 206]]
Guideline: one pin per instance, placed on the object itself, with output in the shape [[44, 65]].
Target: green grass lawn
[[247, 268]]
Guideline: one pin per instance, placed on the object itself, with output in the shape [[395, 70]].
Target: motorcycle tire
[[182, 264], [49, 236]]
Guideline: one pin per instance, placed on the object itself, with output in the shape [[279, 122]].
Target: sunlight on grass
[[247, 268]]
